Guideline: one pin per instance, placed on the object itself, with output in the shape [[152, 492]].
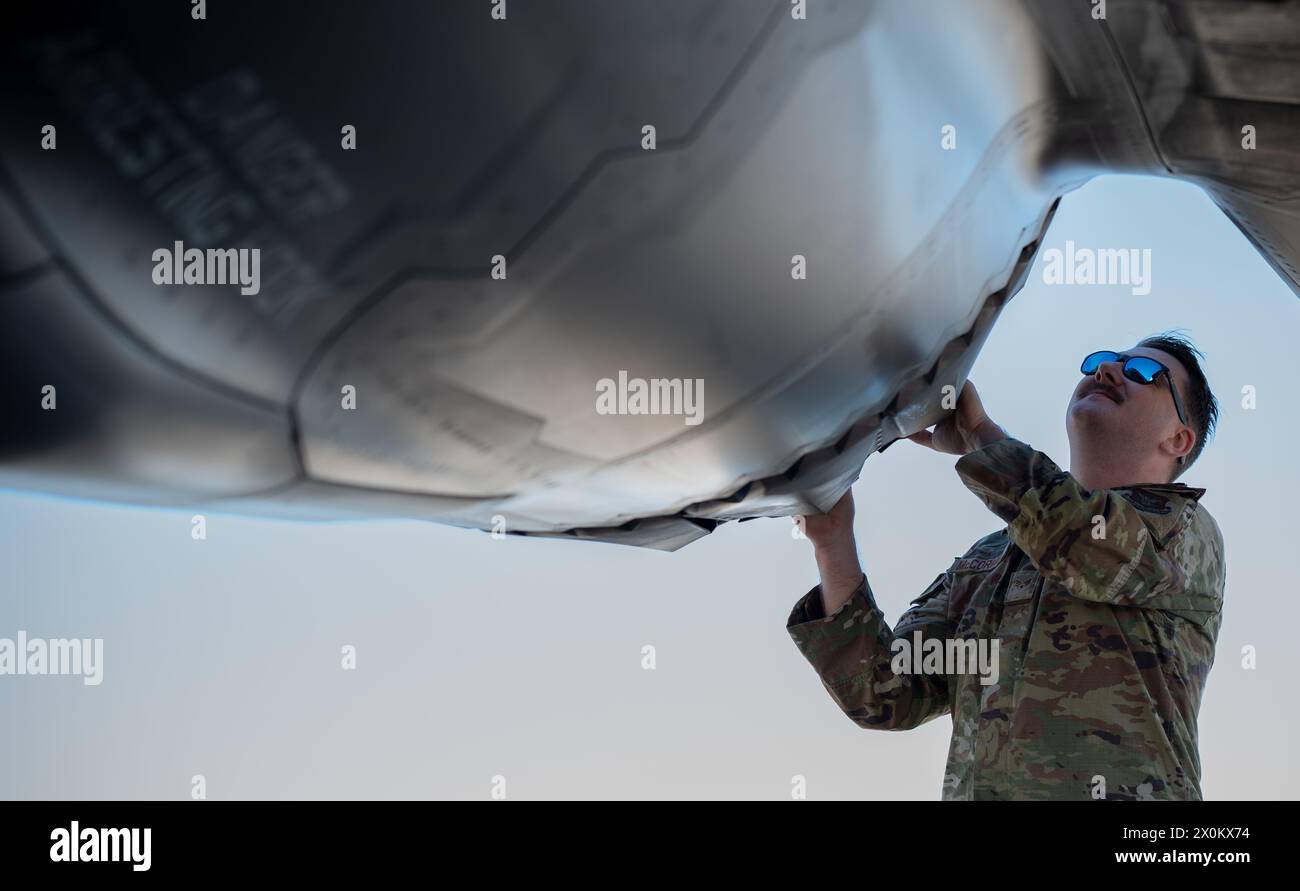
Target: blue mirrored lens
[[1094, 360], [1145, 369]]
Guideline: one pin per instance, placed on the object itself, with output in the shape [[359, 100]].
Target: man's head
[[1120, 426]]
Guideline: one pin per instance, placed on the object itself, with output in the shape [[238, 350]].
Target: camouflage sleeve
[[852, 651], [1098, 545]]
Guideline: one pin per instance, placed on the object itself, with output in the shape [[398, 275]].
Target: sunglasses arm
[[1178, 405]]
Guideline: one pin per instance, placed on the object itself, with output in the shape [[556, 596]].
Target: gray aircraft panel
[[384, 371]]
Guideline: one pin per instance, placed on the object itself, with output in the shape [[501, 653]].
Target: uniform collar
[[1165, 489]]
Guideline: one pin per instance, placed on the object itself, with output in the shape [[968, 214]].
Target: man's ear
[[1180, 445]]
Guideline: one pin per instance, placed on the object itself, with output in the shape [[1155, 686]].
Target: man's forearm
[[854, 654], [837, 550], [987, 433], [841, 573]]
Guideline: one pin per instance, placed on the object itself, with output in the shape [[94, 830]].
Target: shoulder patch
[[1165, 515]]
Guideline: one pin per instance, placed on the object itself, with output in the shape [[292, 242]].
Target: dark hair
[[1201, 406]]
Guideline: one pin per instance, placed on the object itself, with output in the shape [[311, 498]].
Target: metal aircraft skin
[[814, 213]]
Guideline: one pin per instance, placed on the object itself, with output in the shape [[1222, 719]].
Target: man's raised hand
[[968, 428]]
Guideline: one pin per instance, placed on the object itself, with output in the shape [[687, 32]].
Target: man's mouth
[[1102, 391]]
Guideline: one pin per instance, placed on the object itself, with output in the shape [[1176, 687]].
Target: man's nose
[[1111, 373]]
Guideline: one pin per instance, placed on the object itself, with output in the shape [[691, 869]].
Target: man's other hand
[[829, 528], [836, 551]]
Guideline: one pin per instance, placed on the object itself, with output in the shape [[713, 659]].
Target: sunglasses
[[1140, 369]]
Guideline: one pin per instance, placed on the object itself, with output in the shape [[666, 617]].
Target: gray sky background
[[522, 658]]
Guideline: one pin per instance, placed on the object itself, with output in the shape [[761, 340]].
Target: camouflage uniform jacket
[[1106, 606]]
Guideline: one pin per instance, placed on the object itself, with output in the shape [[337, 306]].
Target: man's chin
[[1093, 413]]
